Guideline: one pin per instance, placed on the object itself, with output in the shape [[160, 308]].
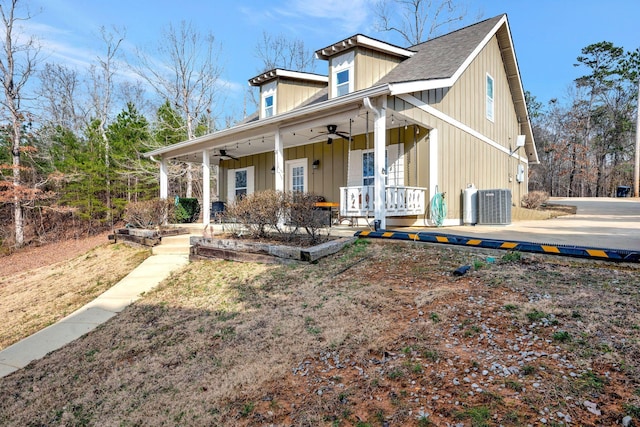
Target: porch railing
[[400, 200]]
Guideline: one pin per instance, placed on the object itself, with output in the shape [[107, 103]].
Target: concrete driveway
[[608, 223]]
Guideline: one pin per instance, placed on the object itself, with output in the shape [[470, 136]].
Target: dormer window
[[342, 82], [283, 90], [268, 99], [342, 74], [268, 106]]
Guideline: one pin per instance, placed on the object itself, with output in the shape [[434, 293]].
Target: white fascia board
[[362, 40], [302, 76], [279, 72], [382, 46], [536, 159], [453, 122], [270, 122], [419, 86], [478, 49]]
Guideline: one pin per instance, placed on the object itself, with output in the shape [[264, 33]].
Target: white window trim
[[490, 104], [362, 178], [289, 165], [273, 106], [231, 182], [338, 64], [268, 90]]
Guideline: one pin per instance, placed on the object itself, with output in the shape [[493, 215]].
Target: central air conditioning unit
[[494, 206]]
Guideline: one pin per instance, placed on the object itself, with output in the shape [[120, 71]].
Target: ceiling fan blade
[[223, 153]]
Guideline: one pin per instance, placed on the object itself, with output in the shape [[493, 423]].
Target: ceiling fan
[[224, 155], [333, 133]]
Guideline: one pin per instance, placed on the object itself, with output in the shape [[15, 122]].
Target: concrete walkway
[[142, 279], [603, 222]]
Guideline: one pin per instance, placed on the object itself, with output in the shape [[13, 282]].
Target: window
[[368, 171], [268, 100], [342, 83], [268, 106], [342, 75], [361, 170], [297, 177], [241, 183], [490, 106]]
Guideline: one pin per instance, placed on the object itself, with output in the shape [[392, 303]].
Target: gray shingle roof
[[440, 58]]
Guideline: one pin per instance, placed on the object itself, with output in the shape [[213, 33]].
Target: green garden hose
[[438, 209]]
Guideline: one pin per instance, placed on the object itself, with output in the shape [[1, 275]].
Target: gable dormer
[[283, 90], [358, 62]]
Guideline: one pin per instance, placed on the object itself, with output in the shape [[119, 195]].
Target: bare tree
[[17, 65], [417, 20], [101, 92], [282, 52], [58, 95], [185, 71]]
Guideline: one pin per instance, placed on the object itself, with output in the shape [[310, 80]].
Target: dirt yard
[[381, 334]]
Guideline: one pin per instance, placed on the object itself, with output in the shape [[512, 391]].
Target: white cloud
[[351, 18], [327, 16]]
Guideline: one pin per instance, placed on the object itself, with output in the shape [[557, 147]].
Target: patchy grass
[[34, 299], [352, 341]]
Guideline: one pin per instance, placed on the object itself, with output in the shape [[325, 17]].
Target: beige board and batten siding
[[333, 170], [370, 66], [324, 181], [262, 164], [463, 158], [293, 93]]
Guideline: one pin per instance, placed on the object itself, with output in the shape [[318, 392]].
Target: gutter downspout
[[379, 163]]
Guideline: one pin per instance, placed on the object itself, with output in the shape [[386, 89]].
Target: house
[[386, 123]]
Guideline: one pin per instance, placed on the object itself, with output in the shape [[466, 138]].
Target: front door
[[296, 174]]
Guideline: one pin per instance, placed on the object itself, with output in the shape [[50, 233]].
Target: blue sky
[[547, 34]]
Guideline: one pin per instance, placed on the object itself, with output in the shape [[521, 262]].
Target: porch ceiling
[[293, 134]]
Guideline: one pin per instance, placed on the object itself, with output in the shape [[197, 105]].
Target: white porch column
[[164, 179], [206, 187], [379, 140], [279, 162]]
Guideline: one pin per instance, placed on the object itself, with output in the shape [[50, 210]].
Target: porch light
[[273, 169], [316, 164]]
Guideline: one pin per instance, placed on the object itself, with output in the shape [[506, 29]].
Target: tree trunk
[[572, 175], [17, 203]]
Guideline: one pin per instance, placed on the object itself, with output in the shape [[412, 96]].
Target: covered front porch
[[353, 154]]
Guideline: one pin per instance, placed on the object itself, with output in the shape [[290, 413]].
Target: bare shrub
[[534, 199], [258, 212], [303, 214], [149, 213]]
